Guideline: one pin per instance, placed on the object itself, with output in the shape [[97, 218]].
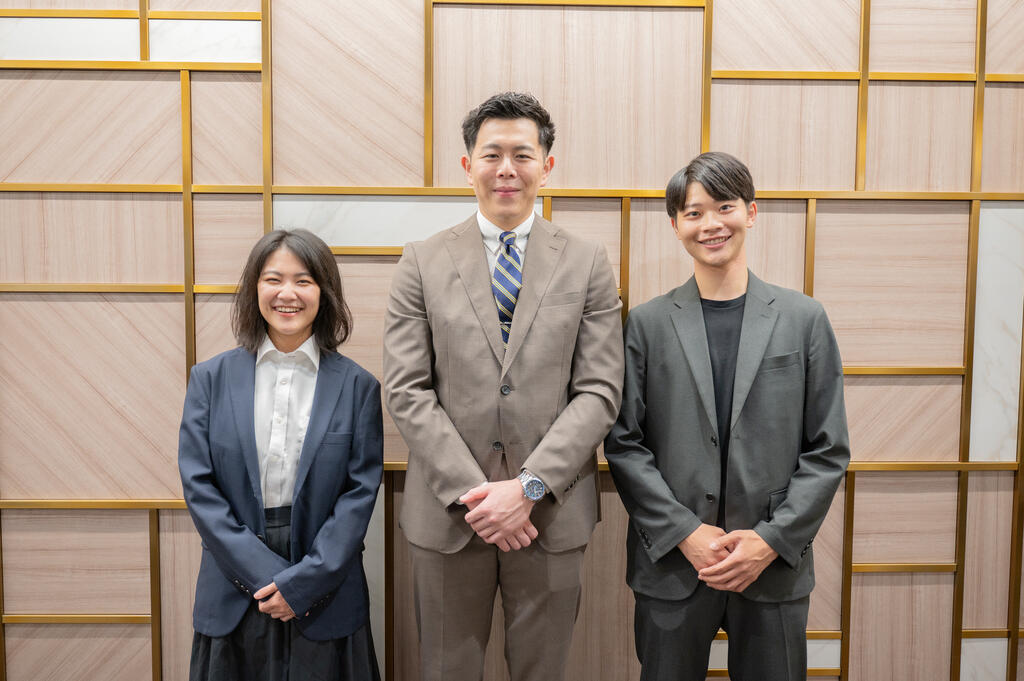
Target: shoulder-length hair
[[333, 322]]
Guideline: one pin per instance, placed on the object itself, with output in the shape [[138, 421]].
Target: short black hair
[[722, 175], [509, 106], [333, 322]]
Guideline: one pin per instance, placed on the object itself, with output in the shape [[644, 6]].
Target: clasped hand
[[500, 513], [727, 562], [274, 605]]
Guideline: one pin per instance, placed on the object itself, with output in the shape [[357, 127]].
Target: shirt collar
[[309, 350], [491, 232]]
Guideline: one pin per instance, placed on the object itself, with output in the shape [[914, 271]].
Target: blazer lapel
[[758, 321], [545, 250], [466, 247], [689, 323], [243, 391], [329, 379]]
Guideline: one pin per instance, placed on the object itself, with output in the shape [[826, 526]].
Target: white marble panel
[[719, 658], [997, 332], [204, 40], [373, 565], [68, 39], [373, 220], [823, 653], [983, 659]]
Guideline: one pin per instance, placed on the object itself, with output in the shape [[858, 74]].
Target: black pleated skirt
[[262, 648]]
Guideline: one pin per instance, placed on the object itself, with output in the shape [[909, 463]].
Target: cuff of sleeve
[[298, 602], [666, 544], [774, 539]]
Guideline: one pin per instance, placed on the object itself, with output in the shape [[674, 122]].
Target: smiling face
[[714, 232], [507, 168], [289, 299]]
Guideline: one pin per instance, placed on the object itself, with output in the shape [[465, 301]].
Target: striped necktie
[[506, 281]]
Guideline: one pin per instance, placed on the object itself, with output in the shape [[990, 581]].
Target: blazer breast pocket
[[335, 446], [553, 299], [780, 361]]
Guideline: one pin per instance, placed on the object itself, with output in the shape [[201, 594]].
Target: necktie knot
[[508, 240]]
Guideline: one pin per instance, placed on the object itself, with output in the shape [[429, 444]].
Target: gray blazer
[[788, 448]]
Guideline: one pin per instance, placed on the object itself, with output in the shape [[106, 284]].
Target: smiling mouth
[[287, 310], [714, 242]]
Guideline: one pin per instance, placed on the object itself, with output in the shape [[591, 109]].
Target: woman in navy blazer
[[281, 592]]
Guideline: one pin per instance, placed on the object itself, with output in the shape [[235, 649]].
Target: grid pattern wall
[[147, 143]]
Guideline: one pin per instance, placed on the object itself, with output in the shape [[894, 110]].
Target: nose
[[506, 168], [287, 291]]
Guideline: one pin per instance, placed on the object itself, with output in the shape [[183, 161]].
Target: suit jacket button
[[714, 440], [709, 496], [497, 446], [506, 389]]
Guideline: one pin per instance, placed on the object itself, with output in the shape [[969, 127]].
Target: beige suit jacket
[[463, 402]]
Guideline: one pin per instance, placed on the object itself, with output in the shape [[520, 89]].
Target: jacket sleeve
[[340, 539], [825, 450], [239, 553], [659, 518]]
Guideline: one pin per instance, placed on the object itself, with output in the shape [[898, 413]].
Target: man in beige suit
[[503, 371]]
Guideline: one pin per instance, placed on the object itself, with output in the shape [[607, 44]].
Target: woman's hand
[[273, 603]]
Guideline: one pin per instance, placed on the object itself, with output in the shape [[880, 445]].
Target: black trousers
[[767, 641]]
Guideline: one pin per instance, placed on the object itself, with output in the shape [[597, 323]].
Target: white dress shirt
[[285, 383], [491, 232]]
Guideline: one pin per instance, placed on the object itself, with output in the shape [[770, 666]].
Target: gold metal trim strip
[[578, 3], [810, 228], [958, 578], [812, 635], [903, 371], [981, 38], [933, 466], [72, 13], [378, 191], [428, 94], [625, 230], [366, 250], [904, 567], [705, 100], [546, 207], [214, 16], [82, 187], [862, 97], [40, 618], [921, 76], [144, 30], [267, 108], [1013, 607], [784, 75], [127, 65], [227, 189], [846, 586], [984, 633], [155, 605], [215, 288], [93, 504], [3, 645], [969, 307], [1004, 78], [187, 222], [811, 672], [89, 288]]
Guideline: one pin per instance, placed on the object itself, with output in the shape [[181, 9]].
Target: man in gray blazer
[[728, 449]]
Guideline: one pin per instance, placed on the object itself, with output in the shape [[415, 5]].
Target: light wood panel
[[90, 238], [919, 136], [933, 36], [904, 518], [205, 5], [901, 626], [775, 246], [348, 92], [1003, 142], [213, 325], [72, 4], [892, 276], [78, 652], [800, 35], [904, 418], [92, 391], [597, 220], [180, 553], [227, 141], [610, 77], [1005, 36], [81, 126], [782, 129], [987, 567], [826, 600], [226, 226]]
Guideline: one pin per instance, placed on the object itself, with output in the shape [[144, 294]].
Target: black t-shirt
[[723, 320]]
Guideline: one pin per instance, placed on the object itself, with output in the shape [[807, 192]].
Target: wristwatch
[[533, 487]]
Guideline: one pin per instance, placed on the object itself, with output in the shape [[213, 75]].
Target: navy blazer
[[336, 485]]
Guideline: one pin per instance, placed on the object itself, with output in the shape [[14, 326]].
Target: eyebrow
[[518, 147], [275, 272]]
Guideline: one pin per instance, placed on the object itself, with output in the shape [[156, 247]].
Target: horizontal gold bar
[[366, 250], [76, 619], [129, 65], [904, 567], [374, 191], [932, 466], [876, 196], [215, 288], [80, 187], [91, 288], [219, 16], [811, 671], [109, 504], [944, 77], [985, 633], [786, 75], [1004, 77], [227, 189], [584, 3], [72, 13], [812, 635], [903, 371]]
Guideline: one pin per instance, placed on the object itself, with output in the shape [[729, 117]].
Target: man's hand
[[500, 514], [748, 556], [275, 605], [699, 547]]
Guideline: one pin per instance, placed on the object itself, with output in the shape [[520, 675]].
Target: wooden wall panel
[[72, 4], [780, 127], [987, 569], [180, 552], [1003, 141], [91, 238], [905, 518], [213, 325], [205, 5], [348, 93], [78, 652], [902, 305], [57, 561], [775, 245], [904, 418], [226, 226], [90, 126], [802, 35], [1005, 36], [227, 139], [919, 136], [826, 599], [901, 627], [909, 35], [91, 405], [597, 220], [584, 64]]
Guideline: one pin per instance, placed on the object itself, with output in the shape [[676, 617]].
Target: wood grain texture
[[78, 652], [213, 325], [348, 93], [919, 136], [1003, 141], [93, 387], [901, 626], [597, 220], [227, 139], [905, 518], [94, 561], [826, 600], [780, 127], [622, 85], [904, 418], [71, 4], [180, 553], [90, 126], [932, 36], [893, 276], [226, 226], [1005, 36], [800, 35], [90, 238], [987, 568], [775, 246], [205, 5]]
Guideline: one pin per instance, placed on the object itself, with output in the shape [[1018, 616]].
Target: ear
[[751, 214], [466, 166], [549, 163], [675, 227]]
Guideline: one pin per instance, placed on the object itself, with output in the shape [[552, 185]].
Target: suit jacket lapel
[[689, 323], [758, 321], [329, 379], [243, 391], [466, 247]]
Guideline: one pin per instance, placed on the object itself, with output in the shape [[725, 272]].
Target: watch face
[[533, 489]]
